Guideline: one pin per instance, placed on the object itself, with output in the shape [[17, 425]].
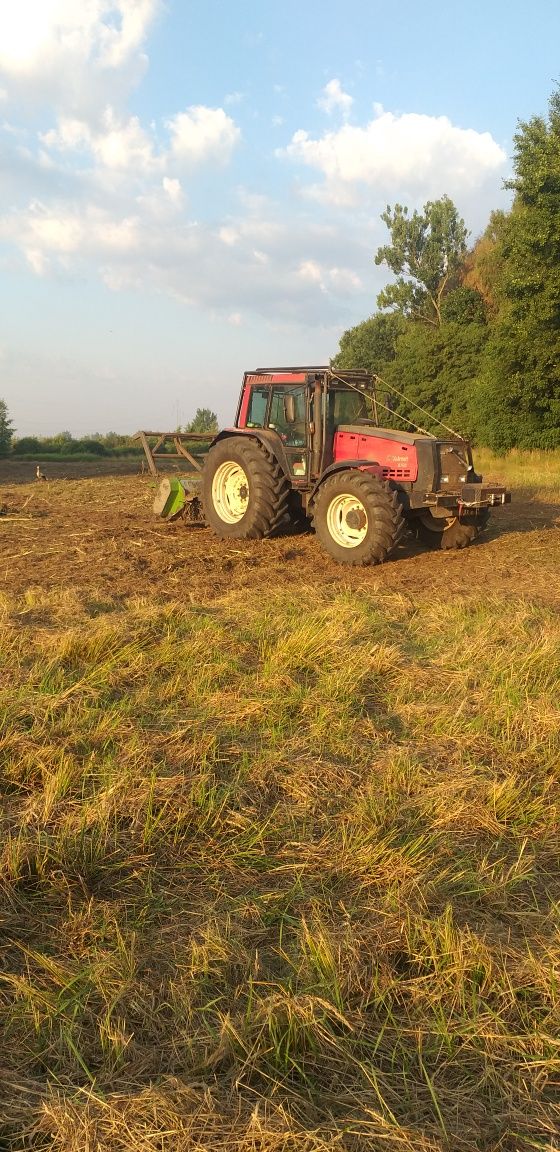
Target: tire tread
[[389, 522], [268, 483]]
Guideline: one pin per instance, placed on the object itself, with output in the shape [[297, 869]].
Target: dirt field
[[96, 532]]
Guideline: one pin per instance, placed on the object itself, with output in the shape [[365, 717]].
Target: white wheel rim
[[341, 510], [230, 492]]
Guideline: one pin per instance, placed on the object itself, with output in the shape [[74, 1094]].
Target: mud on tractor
[[307, 444]]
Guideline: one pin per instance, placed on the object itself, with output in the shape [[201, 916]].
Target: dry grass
[[280, 873], [280, 880], [536, 472]]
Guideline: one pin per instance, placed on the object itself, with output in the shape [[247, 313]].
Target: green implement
[[177, 495]]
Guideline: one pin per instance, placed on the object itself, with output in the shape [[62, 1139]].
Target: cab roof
[[299, 375]]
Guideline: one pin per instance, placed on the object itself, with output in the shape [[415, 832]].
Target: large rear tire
[[245, 493], [448, 532], [357, 518]]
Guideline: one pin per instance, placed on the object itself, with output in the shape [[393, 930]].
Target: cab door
[[288, 415]]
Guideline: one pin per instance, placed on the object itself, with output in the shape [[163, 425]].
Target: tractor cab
[[304, 408]]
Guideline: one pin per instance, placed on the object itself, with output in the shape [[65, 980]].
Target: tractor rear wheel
[[358, 518], [448, 532], [244, 491]]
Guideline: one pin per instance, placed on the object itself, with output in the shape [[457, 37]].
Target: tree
[[426, 252], [464, 306], [204, 420], [520, 389], [6, 429], [483, 266], [438, 368], [27, 446], [61, 440], [372, 344]]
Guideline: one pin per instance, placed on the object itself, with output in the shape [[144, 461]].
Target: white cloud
[[118, 144], [334, 99], [27, 31], [398, 155], [121, 39], [173, 189], [344, 279], [203, 133], [252, 264], [310, 270], [73, 54], [163, 201], [32, 32], [228, 235], [335, 279], [51, 237], [121, 145], [71, 135]]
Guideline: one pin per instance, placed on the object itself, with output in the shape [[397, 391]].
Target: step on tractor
[[307, 445]]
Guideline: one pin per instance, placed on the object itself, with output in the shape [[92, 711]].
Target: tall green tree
[[204, 420], [6, 429], [426, 252], [435, 367], [438, 367], [519, 398]]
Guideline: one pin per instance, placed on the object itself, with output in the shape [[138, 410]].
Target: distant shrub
[[26, 446], [65, 447], [93, 446]]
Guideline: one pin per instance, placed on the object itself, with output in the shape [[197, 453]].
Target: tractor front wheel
[[448, 532], [357, 518], [244, 492]]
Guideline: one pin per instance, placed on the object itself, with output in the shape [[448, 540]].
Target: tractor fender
[[370, 466], [265, 436]]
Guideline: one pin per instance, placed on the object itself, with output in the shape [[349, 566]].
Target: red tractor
[[306, 444]]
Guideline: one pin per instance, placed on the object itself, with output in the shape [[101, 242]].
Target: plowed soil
[[93, 532]]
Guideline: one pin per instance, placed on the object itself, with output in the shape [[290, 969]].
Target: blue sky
[[191, 190]]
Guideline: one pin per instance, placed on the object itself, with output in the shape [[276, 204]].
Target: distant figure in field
[[40, 475]]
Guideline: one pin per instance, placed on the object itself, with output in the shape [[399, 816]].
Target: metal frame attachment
[[158, 451]]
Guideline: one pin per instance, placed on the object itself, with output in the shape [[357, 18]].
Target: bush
[[93, 446], [26, 446]]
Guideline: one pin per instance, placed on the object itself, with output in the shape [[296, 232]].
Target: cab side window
[[346, 407], [256, 415], [283, 409]]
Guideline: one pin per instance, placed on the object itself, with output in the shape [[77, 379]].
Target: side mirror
[[289, 409]]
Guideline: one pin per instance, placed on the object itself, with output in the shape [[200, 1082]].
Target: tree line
[[472, 333], [63, 444]]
